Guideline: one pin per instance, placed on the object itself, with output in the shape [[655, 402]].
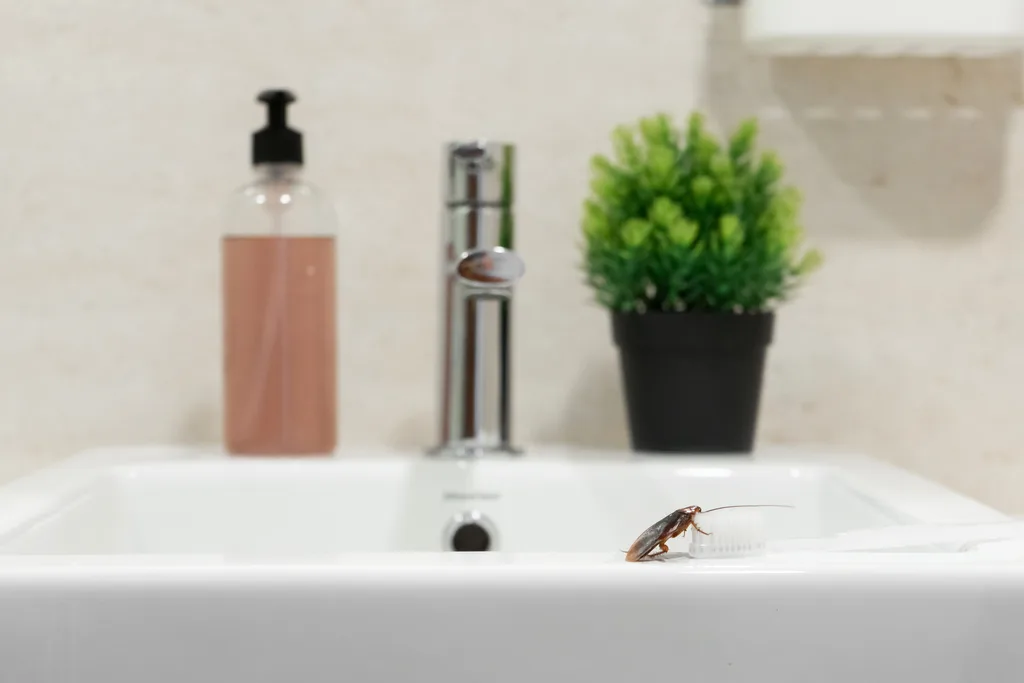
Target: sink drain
[[470, 532]]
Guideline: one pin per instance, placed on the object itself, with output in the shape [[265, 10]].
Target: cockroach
[[671, 525]]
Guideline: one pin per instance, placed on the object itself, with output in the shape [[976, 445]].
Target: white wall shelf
[[884, 27]]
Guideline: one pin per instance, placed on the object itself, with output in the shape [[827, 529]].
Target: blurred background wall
[[124, 126]]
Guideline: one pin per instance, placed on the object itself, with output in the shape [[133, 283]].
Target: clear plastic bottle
[[278, 299]]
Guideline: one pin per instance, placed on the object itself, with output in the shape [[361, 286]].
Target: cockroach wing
[[651, 536]]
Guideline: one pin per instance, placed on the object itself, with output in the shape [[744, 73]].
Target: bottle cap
[[276, 142]]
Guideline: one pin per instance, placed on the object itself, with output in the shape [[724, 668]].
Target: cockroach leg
[[697, 528], [664, 549], [681, 530]]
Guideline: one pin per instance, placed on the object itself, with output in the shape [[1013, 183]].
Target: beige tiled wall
[[123, 125]]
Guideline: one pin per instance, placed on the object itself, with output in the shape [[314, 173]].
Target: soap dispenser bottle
[[278, 302]]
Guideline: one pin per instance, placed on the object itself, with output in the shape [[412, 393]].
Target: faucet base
[[470, 450]]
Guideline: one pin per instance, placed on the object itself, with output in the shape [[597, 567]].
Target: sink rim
[[26, 498]]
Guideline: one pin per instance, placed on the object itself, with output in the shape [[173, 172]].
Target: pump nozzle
[[276, 142]]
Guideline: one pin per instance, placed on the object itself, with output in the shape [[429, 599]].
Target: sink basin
[[172, 564], [258, 507]]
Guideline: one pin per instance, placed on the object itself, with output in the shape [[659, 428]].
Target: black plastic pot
[[692, 380]]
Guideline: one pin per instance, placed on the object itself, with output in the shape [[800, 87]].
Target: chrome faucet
[[479, 273]]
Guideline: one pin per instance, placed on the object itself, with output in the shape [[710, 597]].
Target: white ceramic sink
[[159, 564], [196, 505]]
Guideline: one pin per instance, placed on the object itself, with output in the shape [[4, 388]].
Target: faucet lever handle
[[491, 267]]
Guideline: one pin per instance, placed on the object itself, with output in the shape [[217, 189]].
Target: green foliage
[[682, 223]]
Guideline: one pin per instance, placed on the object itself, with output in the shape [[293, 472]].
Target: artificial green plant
[[681, 223]]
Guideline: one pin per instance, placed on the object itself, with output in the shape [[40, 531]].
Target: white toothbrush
[[743, 533], [954, 537], [734, 532]]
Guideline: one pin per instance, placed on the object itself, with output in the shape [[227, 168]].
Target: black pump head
[[276, 142]]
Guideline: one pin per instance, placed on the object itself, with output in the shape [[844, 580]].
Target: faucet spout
[[479, 274]]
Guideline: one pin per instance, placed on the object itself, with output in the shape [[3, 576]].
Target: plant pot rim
[[693, 330], [695, 314]]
